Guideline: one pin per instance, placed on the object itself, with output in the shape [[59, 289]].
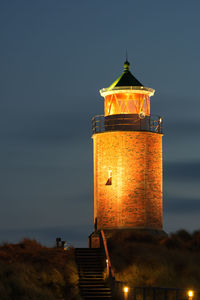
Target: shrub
[[145, 260], [30, 271]]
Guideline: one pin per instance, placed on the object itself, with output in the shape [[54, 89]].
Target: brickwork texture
[[134, 199]]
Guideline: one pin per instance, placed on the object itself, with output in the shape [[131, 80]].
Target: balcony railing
[[127, 122]]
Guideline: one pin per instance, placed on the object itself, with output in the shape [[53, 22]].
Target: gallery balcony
[[127, 122]]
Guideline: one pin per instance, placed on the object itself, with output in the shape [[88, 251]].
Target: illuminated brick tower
[[127, 158]]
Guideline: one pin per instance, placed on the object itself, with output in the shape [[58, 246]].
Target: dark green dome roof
[[126, 79]]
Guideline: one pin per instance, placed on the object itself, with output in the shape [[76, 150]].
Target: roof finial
[[126, 55], [126, 64]]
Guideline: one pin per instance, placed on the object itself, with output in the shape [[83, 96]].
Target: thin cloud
[[50, 128], [73, 235], [181, 205], [182, 171]]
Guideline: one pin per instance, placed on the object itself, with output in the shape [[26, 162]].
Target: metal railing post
[[134, 294], [144, 293], [149, 123], [154, 294], [165, 294]]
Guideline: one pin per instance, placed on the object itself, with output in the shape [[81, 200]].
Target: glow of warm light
[[190, 293], [127, 177], [109, 174], [107, 261], [126, 289], [160, 120], [126, 103]]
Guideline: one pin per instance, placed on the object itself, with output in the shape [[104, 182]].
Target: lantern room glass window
[[127, 103]]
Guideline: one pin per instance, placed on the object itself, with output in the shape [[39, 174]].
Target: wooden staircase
[[91, 265]]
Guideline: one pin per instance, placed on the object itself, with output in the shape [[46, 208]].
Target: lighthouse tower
[[127, 153]]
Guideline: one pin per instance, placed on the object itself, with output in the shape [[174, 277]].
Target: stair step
[[90, 271], [89, 252], [91, 263], [81, 271], [92, 276], [81, 279], [97, 297], [95, 265], [90, 256], [91, 266], [93, 293], [91, 285], [82, 274], [94, 279], [90, 259], [96, 290]]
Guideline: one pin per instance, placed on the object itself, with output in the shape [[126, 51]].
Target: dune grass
[[30, 271], [143, 259]]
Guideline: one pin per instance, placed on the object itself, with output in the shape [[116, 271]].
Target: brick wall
[[134, 200]]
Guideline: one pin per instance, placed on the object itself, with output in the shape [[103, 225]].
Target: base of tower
[[94, 240]]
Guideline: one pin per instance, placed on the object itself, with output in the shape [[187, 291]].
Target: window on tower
[[109, 181]]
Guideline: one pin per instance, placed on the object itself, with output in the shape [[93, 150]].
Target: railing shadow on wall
[[103, 243], [116, 286]]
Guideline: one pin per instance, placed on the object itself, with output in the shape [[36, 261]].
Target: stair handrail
[[111, 271]]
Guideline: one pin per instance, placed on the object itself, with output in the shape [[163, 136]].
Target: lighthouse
[[127, 156]]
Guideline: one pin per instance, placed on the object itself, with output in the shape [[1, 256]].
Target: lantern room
[[127, 96]]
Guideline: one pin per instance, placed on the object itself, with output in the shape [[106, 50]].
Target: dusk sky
[[55, 56]]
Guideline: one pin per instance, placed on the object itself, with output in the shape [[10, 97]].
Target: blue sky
[[55, 56]]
